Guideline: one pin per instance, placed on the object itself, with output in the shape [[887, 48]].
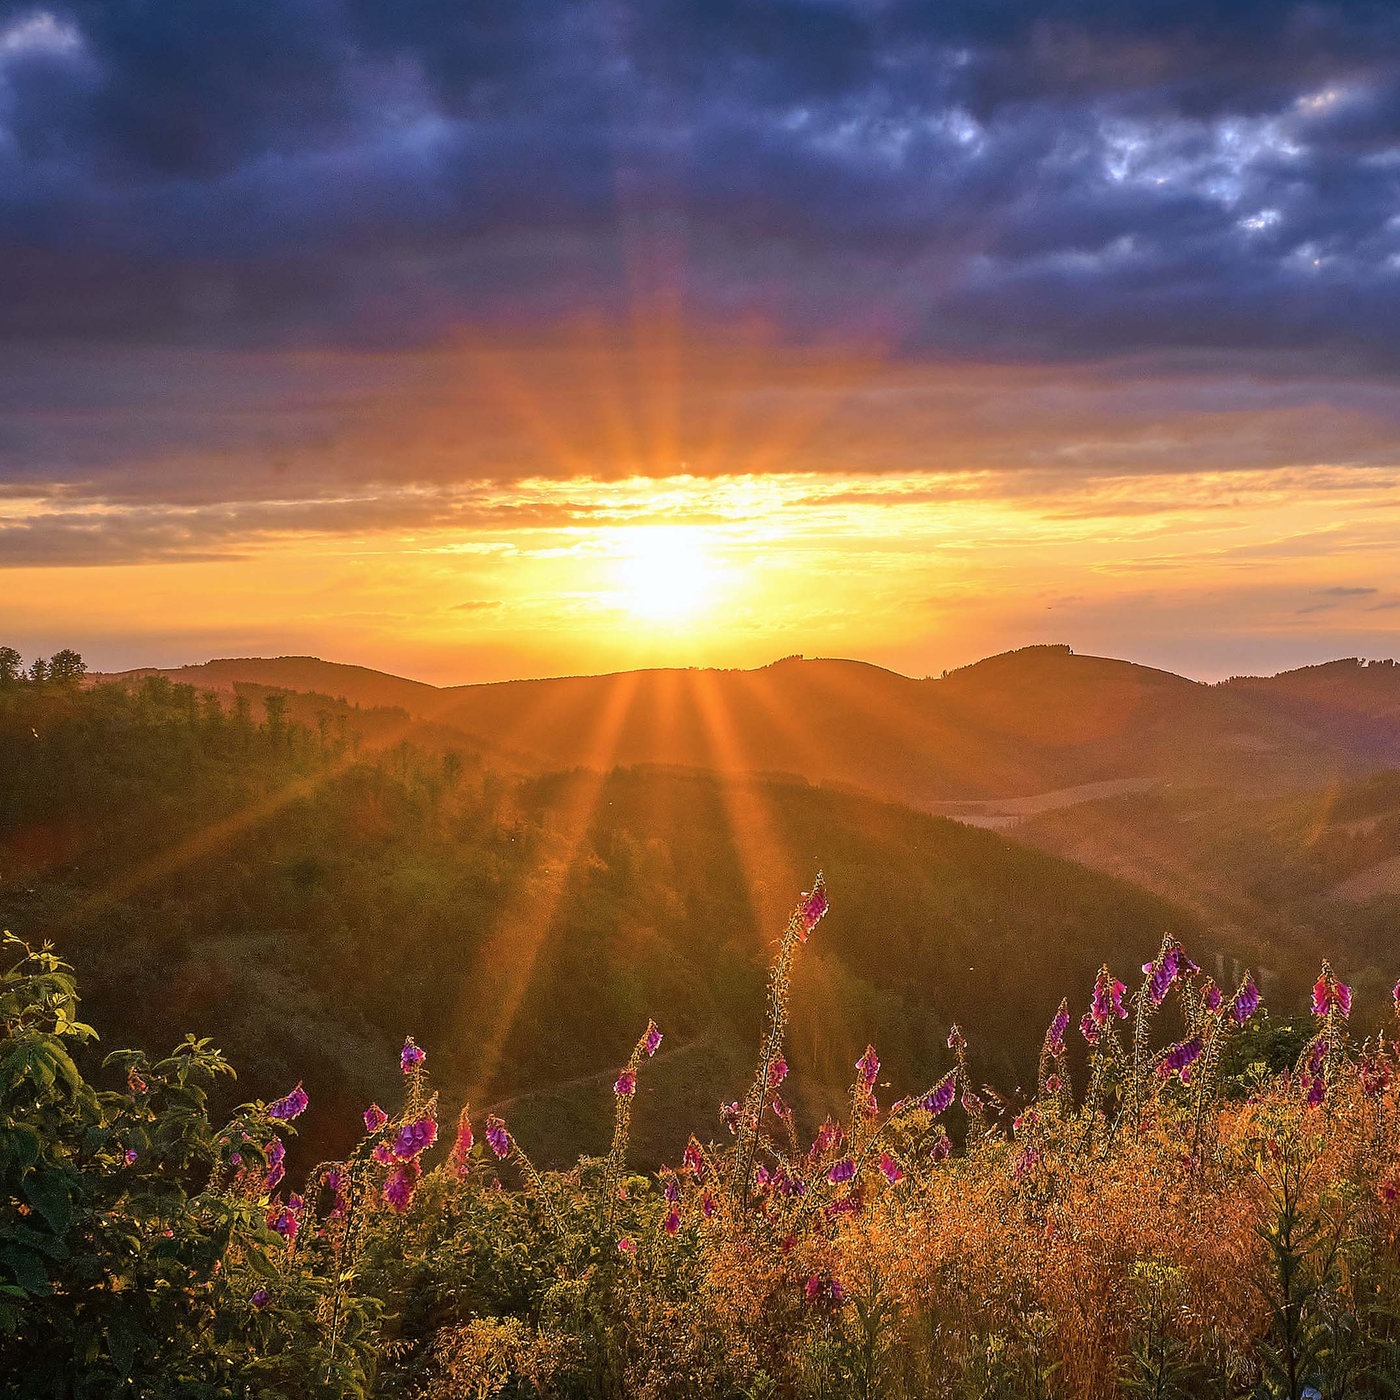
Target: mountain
[[1039, 723]]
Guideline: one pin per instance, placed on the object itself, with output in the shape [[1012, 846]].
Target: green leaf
[[48, 1193], [27, 1268]]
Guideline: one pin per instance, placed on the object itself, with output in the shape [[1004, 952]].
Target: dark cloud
[[1081, 175]]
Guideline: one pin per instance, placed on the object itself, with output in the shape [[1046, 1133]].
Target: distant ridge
[[1025, 723]]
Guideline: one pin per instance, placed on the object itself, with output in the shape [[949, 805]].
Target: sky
[[505, 339]]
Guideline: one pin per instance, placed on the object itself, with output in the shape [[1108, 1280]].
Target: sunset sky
[[521, 337]]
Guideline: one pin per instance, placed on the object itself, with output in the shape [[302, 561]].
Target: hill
[[306, 905], [1030, 723]]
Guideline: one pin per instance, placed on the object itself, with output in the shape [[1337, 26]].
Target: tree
[[11, 666], [39, 671], [66, 667]]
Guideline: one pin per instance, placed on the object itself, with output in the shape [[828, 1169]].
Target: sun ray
[[492, 996]]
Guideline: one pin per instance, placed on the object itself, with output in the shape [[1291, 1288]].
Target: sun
[[665, 573]]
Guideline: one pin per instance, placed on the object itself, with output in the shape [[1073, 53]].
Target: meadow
[[1192, 1200]]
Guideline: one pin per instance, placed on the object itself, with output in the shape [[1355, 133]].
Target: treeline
[[65, 667]]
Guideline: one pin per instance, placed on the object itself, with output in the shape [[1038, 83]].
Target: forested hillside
[[307, 896]]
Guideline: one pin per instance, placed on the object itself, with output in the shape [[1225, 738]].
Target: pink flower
[[289, 1106], [693, 1160], [410, 1057], [890, 1168], [941, 1148], [626, 1084], [869, 1066], [462, 1146], [383, 1154], [129, 1156], [1053, 1084], [1330, 995], [777, 1072], [1246, 1001], [841, 1171], [672, 1223], [707, 1205], [956, 1040], [940, 1097], [259, 1299], [415, 1138], [497, 1138], [1316, 1092], [811, 910], [625, 1246], [398, 1190], [652, 1039], [1055, 1035], [375, 1118]]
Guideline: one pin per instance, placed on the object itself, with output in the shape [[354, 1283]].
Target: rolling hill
[[1036, 723]]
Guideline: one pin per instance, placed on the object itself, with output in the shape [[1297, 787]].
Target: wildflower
[[398, 1190], [1395, 997], [1026, 1162], [462, 1145], [890, 1168], [761, 1175], [729, 1115], [1212, 997], [777, 1072], [626, 1084], [415, 1138], [782, 1108], [289, 1106], [672, 1223], [1088, 1029], [259, 1299], [849, 1204], [841, 1171], [1317, 1055], [1316, 1091], [823, 1291], [672, 1189], [956, 1040], [1179, 1057], [1330, 995], [1374, 1074], [693, 1159], [375, 1118], [1162, 973], [652, 1039], [276, 1152], [497, 1137], [383, 1154], [129, 1156], [285, 1220], [707, 1205], [236, 1158], [625, 1246], [938, 1099], [869, 1066], [410, 1057], [1055, 1036], [1246, 1001], [812, 908], [971, 1102], [1108, 998], [134, 1082], [941, 1148], [1053, 1083]]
